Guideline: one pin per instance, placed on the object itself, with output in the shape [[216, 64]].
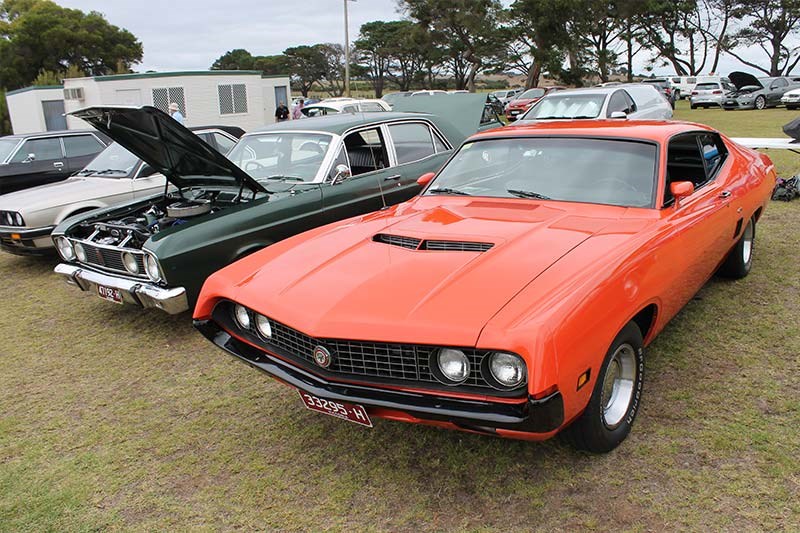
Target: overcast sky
[[191, 34]]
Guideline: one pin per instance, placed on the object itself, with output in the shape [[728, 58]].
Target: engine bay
[[130, 228]]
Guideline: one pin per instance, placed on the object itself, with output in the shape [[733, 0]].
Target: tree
[[540, 26], [767, 24], [238, 59], [307, 65], [271, 65], [333, 75], [372, 51], [5, 119]]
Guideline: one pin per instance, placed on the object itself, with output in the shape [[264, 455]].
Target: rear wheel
[[740, 259], [614, 403], [760, 102], [692, 106]]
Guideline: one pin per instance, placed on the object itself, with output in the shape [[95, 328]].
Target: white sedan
[[791, 99], [633, 101]]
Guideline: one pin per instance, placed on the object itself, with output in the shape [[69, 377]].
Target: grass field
[[115, 418]]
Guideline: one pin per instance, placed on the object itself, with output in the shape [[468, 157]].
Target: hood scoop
[[413, 243]]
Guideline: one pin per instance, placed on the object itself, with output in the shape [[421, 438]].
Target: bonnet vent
[[412, 243]]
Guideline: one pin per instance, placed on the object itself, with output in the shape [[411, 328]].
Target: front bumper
[[529, 416], [135, 292], [731, 103], [20, 241], [791, 101]]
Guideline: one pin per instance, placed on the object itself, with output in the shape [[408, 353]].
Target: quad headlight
[[8, 218], [452, 365], [264, 327], [507, 370], [18, 219], [129, 260], [241, 316], [151, 268], [65, 248], [80, 252]]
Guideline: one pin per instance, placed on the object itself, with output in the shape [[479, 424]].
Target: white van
[[682, 86]]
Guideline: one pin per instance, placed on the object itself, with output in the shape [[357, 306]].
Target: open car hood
[[167, 146], [743, 79], [462, 111]]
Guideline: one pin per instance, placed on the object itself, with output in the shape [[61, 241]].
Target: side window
[[780, 82], [439, 145], [224, 144], [618, 102], [366, 150], [691, 80], [631, 103], [685, 162], [371, 106], [412, 142], [489, 116], [42, 150], [341, 159], [349, 109], [714, 153], [79, 145]]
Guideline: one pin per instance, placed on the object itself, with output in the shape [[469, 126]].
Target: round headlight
[[507, 369], [80, 252], [151, 268], [453, 365], [18, 220], [263, 326], [242, 316], [129, 260], [9, 219], [65, 248]]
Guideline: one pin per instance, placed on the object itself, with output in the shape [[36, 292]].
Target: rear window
[[706, 86]]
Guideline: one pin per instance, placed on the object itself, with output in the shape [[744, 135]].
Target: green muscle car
[[276, 182]]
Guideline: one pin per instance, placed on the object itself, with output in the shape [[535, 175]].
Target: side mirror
[[342, 173], [618, 114], [425, 179], [146, 171], [680, 190], [31, 157]]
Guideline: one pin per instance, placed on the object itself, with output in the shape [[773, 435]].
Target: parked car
[[709, 93], [634, 101], [115, 176], [506, 95], [34, 159], [515, 296], [756, 93], [345, 106], [682, 86], [525, 100], [428, 92], [276, 182], [664, 85], [468, 101], [791, 99]]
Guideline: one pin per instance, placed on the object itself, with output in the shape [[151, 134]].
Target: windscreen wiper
[[284, 178], [110, 171], [448, 190], [528, 194]]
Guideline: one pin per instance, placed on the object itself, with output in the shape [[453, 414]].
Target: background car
[[791, 99], [756, 93], [506, 95], [709, 94], [334, 107], [115, 176], [664, 85], [523, 101], [37, 158], [634, 101], [682, 86]]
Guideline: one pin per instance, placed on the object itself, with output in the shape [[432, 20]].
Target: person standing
[[175, 112], [297, 112], [281, 112]]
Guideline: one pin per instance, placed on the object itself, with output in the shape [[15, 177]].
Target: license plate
[[109, 293], [345, 411], [515, 112], [730, 102]]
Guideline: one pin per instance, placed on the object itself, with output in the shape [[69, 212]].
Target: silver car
[[115, 176], [709, 94], [632, 101]]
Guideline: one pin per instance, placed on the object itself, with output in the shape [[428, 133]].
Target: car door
[[418, 148], [80, 150], [776, 90], [36, 162]]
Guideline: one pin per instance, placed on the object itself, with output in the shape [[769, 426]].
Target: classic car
[[115, 176], [522, 102], [634, 101], [34, 159], [756, 93], [278, 181], [791, 99], [329, 107], [515, 296]]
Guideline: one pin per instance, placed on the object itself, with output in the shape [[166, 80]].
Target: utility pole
[[346, 51]]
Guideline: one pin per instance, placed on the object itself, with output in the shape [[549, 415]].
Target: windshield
[[6, 147], [290, 156], [598, 171], [567, 106], [113, 162], [531, 93]]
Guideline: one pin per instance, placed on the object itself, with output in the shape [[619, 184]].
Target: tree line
[[570, 40]]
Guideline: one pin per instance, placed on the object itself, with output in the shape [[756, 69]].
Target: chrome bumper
[[140, 293]]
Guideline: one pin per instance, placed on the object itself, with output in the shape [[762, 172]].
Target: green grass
[[114, 418]]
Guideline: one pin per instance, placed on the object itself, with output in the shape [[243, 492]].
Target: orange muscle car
[[515, 295]]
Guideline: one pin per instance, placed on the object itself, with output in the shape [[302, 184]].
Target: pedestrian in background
[[281, 112], [174, 112], [297, 112]]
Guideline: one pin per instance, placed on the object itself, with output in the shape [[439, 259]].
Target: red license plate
[[345, 411], [109, 293]]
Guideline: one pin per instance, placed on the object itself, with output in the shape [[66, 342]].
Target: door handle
[[391, 178], [58, 164], [725, 194]]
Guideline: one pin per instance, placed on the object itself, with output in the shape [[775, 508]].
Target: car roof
[[57, 133], [339, 123], [651, 130], [585, 90]]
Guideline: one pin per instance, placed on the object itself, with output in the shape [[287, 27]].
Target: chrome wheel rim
[[747, 243], [618, 386], [760, 103]]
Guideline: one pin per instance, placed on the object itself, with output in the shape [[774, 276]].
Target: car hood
[[793, 92], [358, 281], [458, 114], [55, 195], [167, 146], [743, 79]]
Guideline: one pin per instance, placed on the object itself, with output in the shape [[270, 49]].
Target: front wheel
[[740, 259], [760, 102], [614, 403]]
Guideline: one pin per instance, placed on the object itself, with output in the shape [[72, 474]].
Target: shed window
[[232, 98], [163, 96]]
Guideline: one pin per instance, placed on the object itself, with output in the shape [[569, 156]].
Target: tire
[[760, 102], [740, 259], [606, 422], [791, 108], [692, 106]]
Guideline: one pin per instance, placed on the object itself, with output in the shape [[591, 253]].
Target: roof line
[[34, 88], [143, 75]]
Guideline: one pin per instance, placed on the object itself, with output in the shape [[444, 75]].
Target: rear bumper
[[529, 416], [141, 293], [20, 241]]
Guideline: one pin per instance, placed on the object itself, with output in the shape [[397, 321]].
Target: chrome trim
[[146, 295], [132, 251]]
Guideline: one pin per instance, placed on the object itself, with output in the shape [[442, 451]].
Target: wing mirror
[[342, 173], [30, 158], [146, 171], [425, 179], [618, 114], [681, 190]]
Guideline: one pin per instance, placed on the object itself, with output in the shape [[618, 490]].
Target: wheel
[[614, 403], [692, 106], [791, 107], [740, 259], [760, 102]]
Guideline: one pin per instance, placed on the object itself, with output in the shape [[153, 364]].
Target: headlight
[[264, 327], [129, 260], [9, 219], [65, 248], [18, 219], [507, 369], [453, 366], [242, 316], [151, 268], [80, 252]]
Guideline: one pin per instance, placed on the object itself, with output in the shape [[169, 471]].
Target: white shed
[[243, 98], [37, 109]]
